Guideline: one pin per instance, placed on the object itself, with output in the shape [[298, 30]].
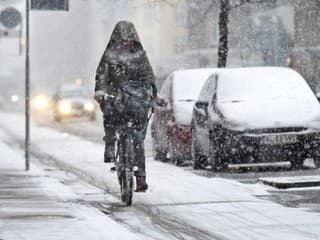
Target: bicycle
[[125, 164]]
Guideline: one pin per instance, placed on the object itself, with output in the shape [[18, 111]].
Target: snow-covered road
[[49, 204], [179, 204]]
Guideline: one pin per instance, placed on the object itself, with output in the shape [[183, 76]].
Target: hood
[[124, 30], [269, 113]]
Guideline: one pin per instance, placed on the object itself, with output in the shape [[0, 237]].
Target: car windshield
[[187, 84], [73, 93], [240, 85]]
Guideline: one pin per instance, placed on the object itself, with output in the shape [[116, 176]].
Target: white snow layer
[[225, 209]]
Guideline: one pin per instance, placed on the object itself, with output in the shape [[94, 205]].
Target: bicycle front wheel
[[127, 174], [126, 187]]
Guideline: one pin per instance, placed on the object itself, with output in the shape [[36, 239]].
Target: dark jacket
[[116, 67]]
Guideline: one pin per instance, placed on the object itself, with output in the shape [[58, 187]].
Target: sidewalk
[[213, 207], [36, 207]]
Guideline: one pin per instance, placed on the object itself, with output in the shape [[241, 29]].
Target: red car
[[170, 127]]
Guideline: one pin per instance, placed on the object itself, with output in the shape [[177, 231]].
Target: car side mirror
[[161, 102], [202, 105]]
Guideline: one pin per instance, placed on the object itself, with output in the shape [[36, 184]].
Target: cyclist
[[124, 60]]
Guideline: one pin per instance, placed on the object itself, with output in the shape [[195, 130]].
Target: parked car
[[73, 101], [255, 115], [172, 118]]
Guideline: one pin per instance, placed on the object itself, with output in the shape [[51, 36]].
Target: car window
[[204, 91], [208, 89], [166, 90]]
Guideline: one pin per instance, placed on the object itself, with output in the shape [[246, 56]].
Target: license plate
[[279, 139]]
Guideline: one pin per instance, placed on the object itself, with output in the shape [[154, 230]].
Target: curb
[[293, 182]]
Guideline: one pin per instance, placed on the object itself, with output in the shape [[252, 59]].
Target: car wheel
[[218, 160], [178, 161], [172, 153], [317, 162], [316, 159], [158, 154], [198, 161]]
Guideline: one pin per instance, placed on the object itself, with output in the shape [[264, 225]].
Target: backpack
[[134, 100]]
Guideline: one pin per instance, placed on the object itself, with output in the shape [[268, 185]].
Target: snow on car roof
[[261, 83], [188, 83]]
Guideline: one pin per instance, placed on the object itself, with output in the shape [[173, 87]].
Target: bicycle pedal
[[113, 169]]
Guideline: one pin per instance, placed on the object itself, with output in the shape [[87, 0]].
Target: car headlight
[[64, 107], [40, 102], [89, 106], [14, 98]]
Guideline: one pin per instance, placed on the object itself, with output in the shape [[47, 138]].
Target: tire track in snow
[[164, 223]]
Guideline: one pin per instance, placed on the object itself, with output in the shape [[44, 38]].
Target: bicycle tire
[[126, 183], [126, 188]]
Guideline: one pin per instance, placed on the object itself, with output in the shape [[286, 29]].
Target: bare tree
[[223, 33], [225, 8]]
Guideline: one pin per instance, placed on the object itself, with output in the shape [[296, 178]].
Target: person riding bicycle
[[124, 61]]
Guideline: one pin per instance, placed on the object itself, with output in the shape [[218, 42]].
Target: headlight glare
[[40, 102], [64, 107], [89, 106]]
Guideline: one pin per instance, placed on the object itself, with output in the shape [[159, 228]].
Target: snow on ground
[[34, 206], [210, 208]]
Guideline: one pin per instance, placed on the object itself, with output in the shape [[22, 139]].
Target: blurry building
[[306, 55], [258, 33], [163, 29]]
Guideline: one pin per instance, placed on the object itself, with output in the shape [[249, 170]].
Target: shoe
[[142, 185]]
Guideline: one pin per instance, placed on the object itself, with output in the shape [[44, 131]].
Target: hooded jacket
[[116, 67]]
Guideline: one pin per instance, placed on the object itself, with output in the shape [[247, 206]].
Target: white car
[[255, 115], [73, 101]]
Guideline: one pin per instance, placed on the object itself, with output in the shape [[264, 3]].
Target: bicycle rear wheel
[[126, 182]]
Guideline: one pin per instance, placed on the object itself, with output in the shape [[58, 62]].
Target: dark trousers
[[139, 134]]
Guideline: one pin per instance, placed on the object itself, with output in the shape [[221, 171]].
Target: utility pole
[[27, 90], [223, 33], [35, 5]]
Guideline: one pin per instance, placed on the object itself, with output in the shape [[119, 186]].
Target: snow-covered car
[[172, 118], [73, 101], [255, 115]]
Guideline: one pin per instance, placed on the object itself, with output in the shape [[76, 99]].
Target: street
[[305, 197], [180, 204], [232, 149]]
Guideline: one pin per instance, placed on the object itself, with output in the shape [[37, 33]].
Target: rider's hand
[[99, 96]]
